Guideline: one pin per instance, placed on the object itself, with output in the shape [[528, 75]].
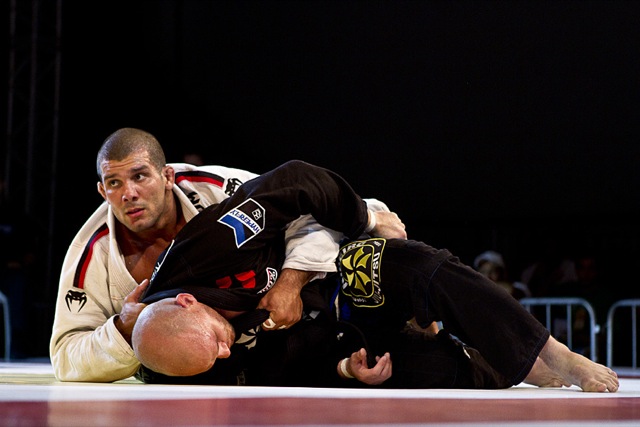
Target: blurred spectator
[[551, 268], [17, 267], [492, 265], [587, 285], [193, 158]]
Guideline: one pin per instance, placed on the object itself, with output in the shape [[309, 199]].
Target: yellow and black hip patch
[[359, 266]]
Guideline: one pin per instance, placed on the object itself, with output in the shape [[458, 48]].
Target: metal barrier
[[568, 303], [634, 305], [7, 327]]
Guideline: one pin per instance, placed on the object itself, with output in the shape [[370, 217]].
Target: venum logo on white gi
[[246, 220], [78, 296]]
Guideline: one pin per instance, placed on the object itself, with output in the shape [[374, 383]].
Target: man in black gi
[[230, 255]]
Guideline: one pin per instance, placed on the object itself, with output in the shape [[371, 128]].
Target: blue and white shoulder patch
[[246, 220]]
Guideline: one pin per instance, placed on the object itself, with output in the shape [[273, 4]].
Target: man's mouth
[[135, 212]]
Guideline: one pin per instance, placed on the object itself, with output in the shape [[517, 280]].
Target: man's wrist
[[117, 321], [343, 368], [372, 222]]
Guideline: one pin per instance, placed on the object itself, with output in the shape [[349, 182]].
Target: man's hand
[[358, 368], [388, 225], [131, 310], [283, 301]]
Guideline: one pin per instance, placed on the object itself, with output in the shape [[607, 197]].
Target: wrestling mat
[[30, 396]]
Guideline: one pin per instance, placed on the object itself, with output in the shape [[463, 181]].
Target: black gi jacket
[[230, 255]]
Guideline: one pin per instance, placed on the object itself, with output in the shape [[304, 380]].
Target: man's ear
[[185, 299], [101, 190], [223, 350], [170, 175]]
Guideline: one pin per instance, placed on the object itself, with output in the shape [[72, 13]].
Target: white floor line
[[35, 382]]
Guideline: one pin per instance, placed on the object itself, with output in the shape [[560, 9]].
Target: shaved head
[[126, 141], [175, 338]]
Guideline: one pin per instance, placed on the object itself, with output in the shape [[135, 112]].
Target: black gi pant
[[387, 282]]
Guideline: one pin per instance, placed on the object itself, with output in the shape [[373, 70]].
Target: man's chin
[[138, 226]]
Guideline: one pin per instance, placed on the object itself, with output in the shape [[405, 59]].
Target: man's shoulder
[[225, 171], [90, 243], [209, 184], [96, 225], [98, 220]]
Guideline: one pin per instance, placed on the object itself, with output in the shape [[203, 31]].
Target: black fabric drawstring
[[341, 327]]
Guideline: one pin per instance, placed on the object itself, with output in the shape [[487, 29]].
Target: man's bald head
[[180, 337]]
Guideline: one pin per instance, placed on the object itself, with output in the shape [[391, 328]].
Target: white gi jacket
[[85, 344]]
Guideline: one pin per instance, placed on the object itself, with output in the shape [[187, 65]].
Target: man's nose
[[129, 192]]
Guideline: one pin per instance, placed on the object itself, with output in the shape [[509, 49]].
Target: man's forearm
[[101, 355], [294, 279]]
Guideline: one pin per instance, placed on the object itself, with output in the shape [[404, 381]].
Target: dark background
[[505, 125]]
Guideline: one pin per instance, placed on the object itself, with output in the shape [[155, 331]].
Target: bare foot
[[543, 376], [576, 369]]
